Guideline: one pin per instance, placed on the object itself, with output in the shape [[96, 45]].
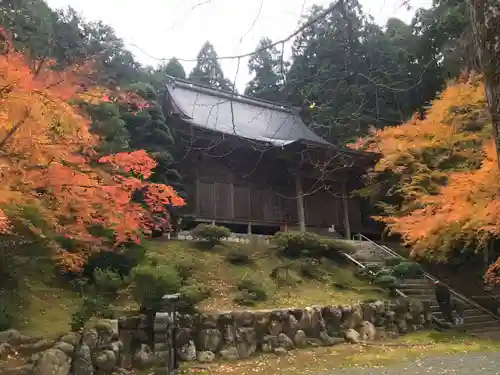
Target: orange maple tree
[[436, 183], [48, 164]]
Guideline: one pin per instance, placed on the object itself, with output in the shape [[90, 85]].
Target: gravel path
[[460, 364]]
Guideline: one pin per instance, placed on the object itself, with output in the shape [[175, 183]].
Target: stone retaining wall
[[114, 347], [239, 334], [234, 237]]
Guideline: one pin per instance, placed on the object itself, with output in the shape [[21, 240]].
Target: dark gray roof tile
[[240, 115]]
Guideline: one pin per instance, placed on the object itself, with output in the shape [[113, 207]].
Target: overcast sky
[[160, 29]]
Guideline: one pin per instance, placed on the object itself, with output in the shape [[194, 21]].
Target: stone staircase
[[476, 320]]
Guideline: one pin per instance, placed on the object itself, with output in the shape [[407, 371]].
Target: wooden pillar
[[347, 225], [300, 204]]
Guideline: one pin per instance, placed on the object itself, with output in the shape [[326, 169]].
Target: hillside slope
[[47, 302]]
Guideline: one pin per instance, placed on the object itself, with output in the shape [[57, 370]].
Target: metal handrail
[[429, 276], [362, 266]]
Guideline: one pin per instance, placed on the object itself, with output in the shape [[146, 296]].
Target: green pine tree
[[208, 70], [173, 68], [268, 69]]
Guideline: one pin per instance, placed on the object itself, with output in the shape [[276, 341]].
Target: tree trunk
[[485, 21]]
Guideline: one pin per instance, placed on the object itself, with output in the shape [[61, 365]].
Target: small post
[[300, 204], [172, 360], [347, 225]]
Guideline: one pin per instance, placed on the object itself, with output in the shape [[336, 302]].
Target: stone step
[[487, 333], [471, 319], [419, 281], [418, 297], [468, 309], [493, 325], [470, 313], [422, 289], [406, 285], [414, 291], [364, 263]]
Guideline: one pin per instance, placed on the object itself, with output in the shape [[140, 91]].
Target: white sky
[[160, 29]]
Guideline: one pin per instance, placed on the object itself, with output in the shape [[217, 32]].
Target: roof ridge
[[185, 83]]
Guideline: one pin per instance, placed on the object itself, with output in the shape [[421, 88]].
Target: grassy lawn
[[412, 347], [211, 268], [44, 303], [48, 309], [50, 303]]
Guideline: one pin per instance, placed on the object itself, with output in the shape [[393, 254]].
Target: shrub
[[192, 294], [107, 282], [120, 260], [185, 269], [306, 244], [79, 284], [374, 267], [151, 283], [407, 269], [391, 262], [92, 306], [385, 281], [335, 246], [384, 272], [239, 257], [297, 244], [285, 276], [343, 279], [213, 234], [312, 269], [7, 314], [364, 273], [251, 291]]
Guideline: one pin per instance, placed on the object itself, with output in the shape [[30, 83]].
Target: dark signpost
[[172, 363]]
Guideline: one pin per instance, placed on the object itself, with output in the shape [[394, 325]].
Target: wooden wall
[[264, 194]]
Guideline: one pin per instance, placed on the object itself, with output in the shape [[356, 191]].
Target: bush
[[407, 269], [335, 246], [384, 272], [7, 314], [92, 306], [364, 273], [185, 269], [213, 234], [285, 276], [239, 257], [343, 279], [120, 261], [385, 281], [306, 244], [151, 283], [297, 244], [374, 267], [79, 284], [193, 294], [107, 282], [391, 262], [312, 269], [251, 291]]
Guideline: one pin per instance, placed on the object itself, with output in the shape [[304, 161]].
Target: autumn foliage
[[48, 165], [437, 183]]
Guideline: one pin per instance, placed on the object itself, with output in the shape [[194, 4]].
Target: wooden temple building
[[254, 164]]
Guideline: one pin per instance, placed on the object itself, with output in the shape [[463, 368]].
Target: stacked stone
[[162, 336], [110, 346], [237, 335]]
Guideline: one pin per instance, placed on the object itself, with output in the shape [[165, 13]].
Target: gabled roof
[[239, 115]]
